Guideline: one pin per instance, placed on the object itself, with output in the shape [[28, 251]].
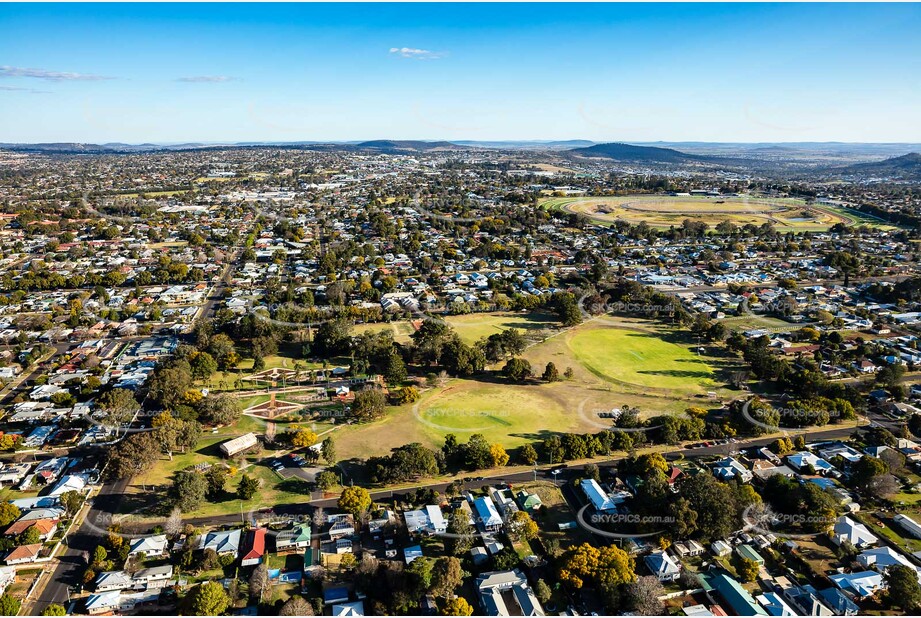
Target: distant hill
[[528, 144], [906, 166], [636, 154], [387, 145], [60, 148]]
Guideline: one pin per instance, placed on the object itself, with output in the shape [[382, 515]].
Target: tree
[[542, 591], [607, 568], [643, 596], [296, 606], [173, 525], [175, 433], [71, 500], [714, 504], [303, 437], [866, 469], [527, 454], [354, 500], [328, 448], [259, 582], [188, 490], [348, 561], [405, 395], [460, 534], [99, 556], [394, 371], [169, 384], [30, 536], [369, 404], [517, 369], [247, 487], [522, 526], [54, 610], [220, 409], [216, 476], [748, 569], [119, 406], [203, 366], [207, 599], [9, 605], [458, 606], [326, 479], [551, 373], [447, 576], [498, 455], [902, 588], [8, 513]]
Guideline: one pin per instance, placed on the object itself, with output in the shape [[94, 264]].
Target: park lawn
[[641, 358], [751, 322], [664, 211], [510, 414], [472, 327], [402, 329], [514, 414], [206, 451]]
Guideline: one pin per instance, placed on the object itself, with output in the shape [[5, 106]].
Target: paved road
[[571, 471], [70, 564], [217, 292]]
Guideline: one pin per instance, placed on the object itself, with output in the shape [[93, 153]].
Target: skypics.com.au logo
[[761, 519], [772, 419], [592, 521]]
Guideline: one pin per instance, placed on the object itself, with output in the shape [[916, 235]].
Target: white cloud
[[18, 89], [206, 79], [53, 76], [418, 54]]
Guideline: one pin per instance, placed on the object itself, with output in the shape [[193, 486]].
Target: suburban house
[[426, 521], [775, 605], [881, 558], [601, 500], [46, 527], [662, 566], [24, 554], [861, 584], [113, 580], [721, 588], [855, 533], [507, 593], [253, 547], [149, 546], [729, 468], [908, 524], [295, 538], [487, 517], [223, 541]]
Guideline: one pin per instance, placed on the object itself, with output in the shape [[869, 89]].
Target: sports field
[[617, 362], [663, 211], [641, 358], [470, 327]]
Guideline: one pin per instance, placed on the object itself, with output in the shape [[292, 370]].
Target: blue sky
[[606, 72]]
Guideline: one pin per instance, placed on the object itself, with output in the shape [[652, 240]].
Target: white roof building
[[239, 444], [855, 533], [600, 500], [498, 589]]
